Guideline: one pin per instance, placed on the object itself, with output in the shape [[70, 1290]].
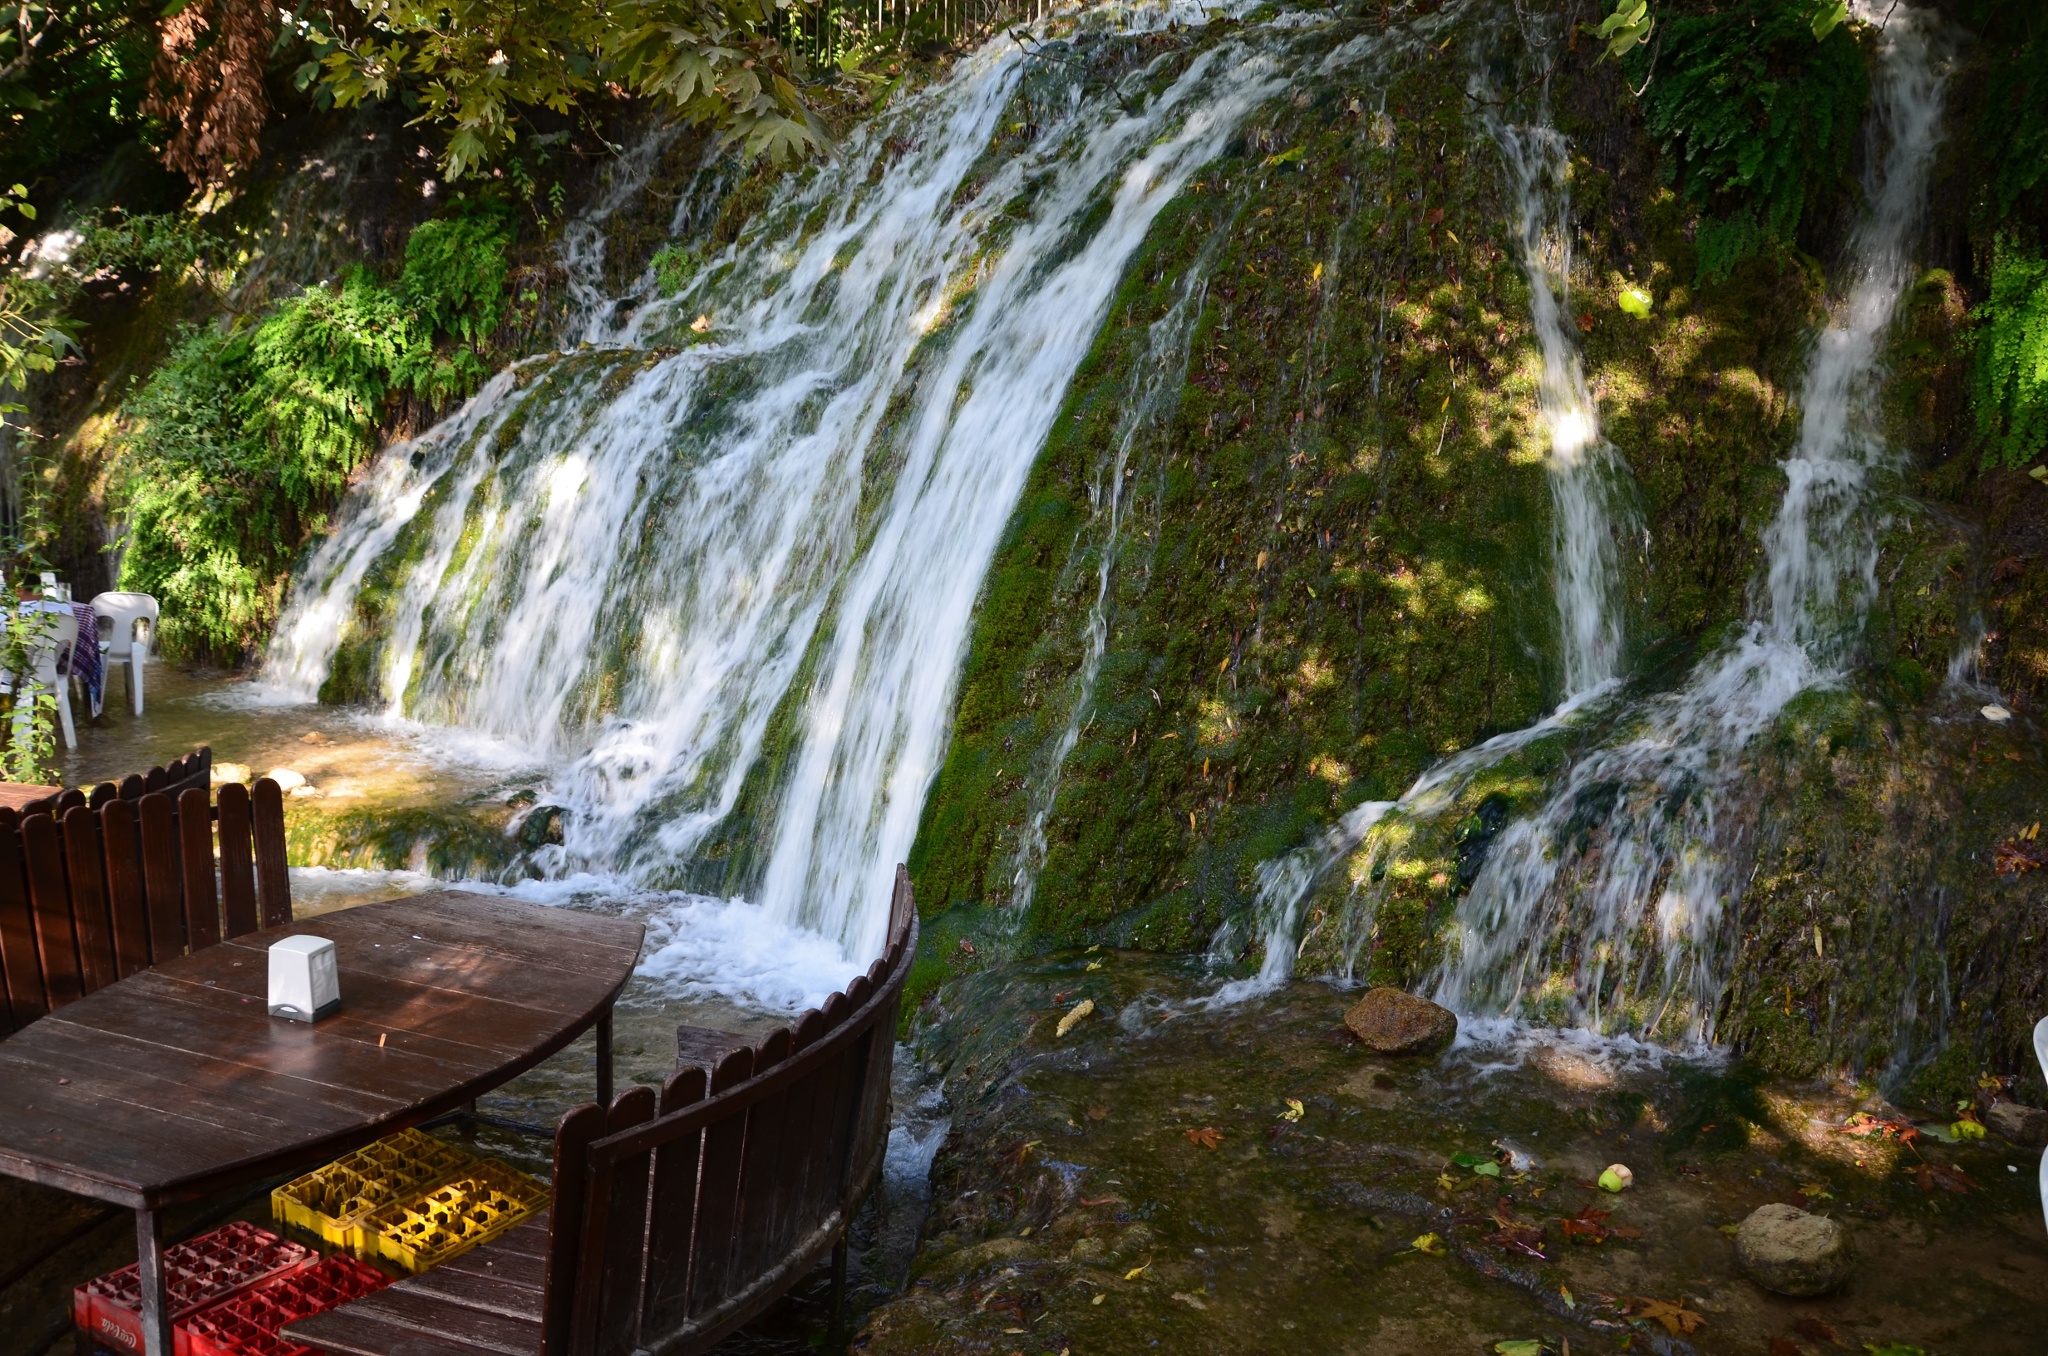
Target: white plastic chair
[[122, 636], [61, 631], [2041, 1053]]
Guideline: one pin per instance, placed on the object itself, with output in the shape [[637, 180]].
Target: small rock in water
[[1390, 1022], [1786, 1250], [230, 774], [1996, 714], [314, 737], [304, 791], [2026, 1126], [286, 779]]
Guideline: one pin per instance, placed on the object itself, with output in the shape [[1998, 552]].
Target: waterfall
[[1585, 470], [726, 561], [1585, 474], [1608, 907]]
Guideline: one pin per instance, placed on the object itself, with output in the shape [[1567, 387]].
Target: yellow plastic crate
[[453, 1217], [333, 1201]]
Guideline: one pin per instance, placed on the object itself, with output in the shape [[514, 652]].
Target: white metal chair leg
[[135, 678]]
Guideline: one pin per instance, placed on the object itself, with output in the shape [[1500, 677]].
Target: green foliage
[[455, 273], [1757, 121], [2011, 133], [674, 266], [2011, 377], [72, 78], [478, 67], [154, 242], [32, 336], [1624, 29], [30, 735], [237, 446]]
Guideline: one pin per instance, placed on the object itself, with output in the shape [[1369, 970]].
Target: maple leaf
[[1671, 1313], [1208, 1136]]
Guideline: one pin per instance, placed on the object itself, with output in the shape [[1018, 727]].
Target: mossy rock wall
[[1335, 568]]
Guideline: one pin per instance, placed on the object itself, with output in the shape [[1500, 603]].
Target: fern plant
[[2011, 377], [236, 447], [1757, 120]]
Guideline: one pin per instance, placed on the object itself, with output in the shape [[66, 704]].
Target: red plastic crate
[[246, 1324], [196, 1274]]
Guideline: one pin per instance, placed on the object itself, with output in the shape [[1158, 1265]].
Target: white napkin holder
[[305, 984]]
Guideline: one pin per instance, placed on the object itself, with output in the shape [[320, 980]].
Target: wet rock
[[542, 827], [1786, 1250], [230, 774], [286, 779], [2023, 1125], [1390, 1022]]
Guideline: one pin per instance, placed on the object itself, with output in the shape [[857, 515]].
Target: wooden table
[[16, 795], [175, 1082]]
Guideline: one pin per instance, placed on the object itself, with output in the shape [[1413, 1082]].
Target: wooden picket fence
[[828, 28]]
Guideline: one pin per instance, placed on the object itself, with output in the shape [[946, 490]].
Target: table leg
[[156, 1305], [604, 1059]]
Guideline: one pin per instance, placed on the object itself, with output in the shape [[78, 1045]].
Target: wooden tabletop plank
[[529, 934], [411, 1317], [350, 1331], [468, 1290], [443, 1022], [15, 795], [518, 1269], [180, 1082]]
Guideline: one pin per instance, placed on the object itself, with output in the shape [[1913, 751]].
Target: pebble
[[1787, 1251], [286, 779]]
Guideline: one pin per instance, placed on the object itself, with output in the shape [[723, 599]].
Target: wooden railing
[[678, 1217], [822, 32], [103, 888]]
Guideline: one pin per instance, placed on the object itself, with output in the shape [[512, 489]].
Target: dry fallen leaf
[[1295, 1110], [1073, 1019], [1671, 1313], [1207, 1136], [1135, 1272], [1813, 1330], [1096, 1113], [1785, 1346], [1429, 1243]]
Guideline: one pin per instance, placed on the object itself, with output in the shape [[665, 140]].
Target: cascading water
[[741, 575], [1585, 476], [1607, 907], [1585, 470]]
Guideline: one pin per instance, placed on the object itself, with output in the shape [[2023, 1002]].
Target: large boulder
[[1786, 1250], [1390, 1022], [2026, 1126]]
